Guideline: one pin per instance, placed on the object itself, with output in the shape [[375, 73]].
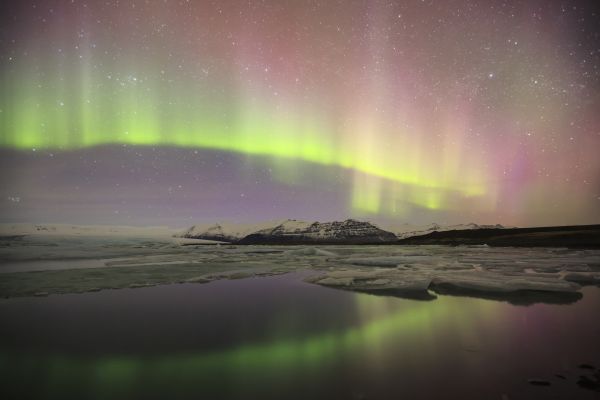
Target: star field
[[169, 111]]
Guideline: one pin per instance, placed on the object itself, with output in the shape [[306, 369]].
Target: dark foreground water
[[278, 337]]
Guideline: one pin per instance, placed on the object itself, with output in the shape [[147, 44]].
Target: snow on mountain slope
[[348, 231], [287, 227], [424, 230], [225, 232], [291, 230]]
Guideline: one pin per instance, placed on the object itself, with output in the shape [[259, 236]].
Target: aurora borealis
[[419, 111]]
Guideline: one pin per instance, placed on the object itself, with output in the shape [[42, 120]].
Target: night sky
[[179, 112]]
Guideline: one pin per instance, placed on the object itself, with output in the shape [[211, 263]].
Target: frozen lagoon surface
[[242, 322]]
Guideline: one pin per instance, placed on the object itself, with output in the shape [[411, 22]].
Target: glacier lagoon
[[151, 318]]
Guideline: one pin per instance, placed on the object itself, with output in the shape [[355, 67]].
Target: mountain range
[[292, 231], [419, 231]]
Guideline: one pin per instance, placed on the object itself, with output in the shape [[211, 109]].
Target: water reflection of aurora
[[382, 323]]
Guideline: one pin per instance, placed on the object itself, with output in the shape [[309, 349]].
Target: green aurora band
[[36, 118], [442, 118]]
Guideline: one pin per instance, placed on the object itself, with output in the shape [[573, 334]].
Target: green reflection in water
[[381, 321]]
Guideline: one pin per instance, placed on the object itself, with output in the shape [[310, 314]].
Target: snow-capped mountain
[[287, 227], [212, 232], [299, 232], [424, 230], [224, 232], [295, 231]]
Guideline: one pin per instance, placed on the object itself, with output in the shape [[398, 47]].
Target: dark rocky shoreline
[[577, 236]]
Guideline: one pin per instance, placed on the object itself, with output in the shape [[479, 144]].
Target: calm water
[[278, 337]]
